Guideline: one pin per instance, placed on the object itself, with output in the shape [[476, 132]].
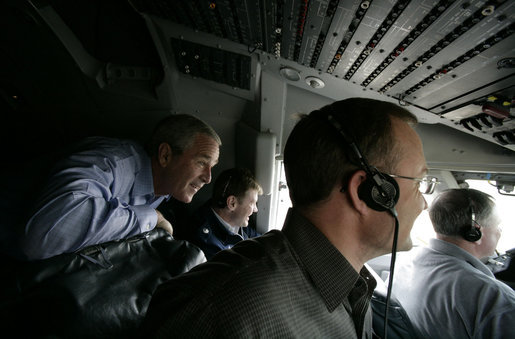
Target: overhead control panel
[[447, 57]]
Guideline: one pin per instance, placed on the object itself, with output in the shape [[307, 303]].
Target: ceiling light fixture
[[315, 82], [290, 73]]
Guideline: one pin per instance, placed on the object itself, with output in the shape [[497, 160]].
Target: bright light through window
[[284, 201], [423, 229]]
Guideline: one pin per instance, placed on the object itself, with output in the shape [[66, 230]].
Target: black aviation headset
[[380, 192], [471, 232], [222, 200]]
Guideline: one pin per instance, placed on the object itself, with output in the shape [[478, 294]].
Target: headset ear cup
[[472, 234], [372, 195], [365, 194]]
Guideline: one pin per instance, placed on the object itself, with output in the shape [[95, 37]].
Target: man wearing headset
[[355, 170], [446, 289], [223, 221]]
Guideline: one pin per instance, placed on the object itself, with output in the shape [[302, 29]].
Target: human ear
[[231, 202], [164, 154], [354, 182]]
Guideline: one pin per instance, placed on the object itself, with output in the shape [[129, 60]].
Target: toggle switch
[[484, 121]]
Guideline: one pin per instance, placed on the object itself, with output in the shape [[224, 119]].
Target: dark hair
[[451, 211], [234, 181], [179, 131], [316, 157]]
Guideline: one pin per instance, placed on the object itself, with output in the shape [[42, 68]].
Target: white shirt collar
[[232, 229]]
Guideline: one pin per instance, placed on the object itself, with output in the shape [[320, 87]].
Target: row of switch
[[329, 13], [418, 30], [481, 121], [379, 34], [439, 46], [505, 33], [300, 28], [487, 121], [505, 137], [353, 26]]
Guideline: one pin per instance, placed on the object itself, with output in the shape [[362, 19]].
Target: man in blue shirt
[[109, 189], [445, 288], [223, 220]]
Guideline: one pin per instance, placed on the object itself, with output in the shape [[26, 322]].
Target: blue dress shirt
[[102, 192], [448, 293]]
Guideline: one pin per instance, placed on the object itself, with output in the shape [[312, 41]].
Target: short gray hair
[[451, 211], [179, 131]]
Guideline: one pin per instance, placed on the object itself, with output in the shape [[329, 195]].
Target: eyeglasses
[[426, 185]]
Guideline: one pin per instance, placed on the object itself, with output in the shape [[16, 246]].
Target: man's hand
[[163, 223]]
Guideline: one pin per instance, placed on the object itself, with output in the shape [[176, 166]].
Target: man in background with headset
[[224, 219], [355, 171], [446, 290]]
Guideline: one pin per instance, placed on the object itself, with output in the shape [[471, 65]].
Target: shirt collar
[[231, 229], [332, 274], [144, 183], [457, 252]]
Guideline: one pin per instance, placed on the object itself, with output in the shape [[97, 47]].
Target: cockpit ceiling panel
[[423, 52], [452, 58]]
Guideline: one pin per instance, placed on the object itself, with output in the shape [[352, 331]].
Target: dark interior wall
[[43, 90], [47, 101]]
